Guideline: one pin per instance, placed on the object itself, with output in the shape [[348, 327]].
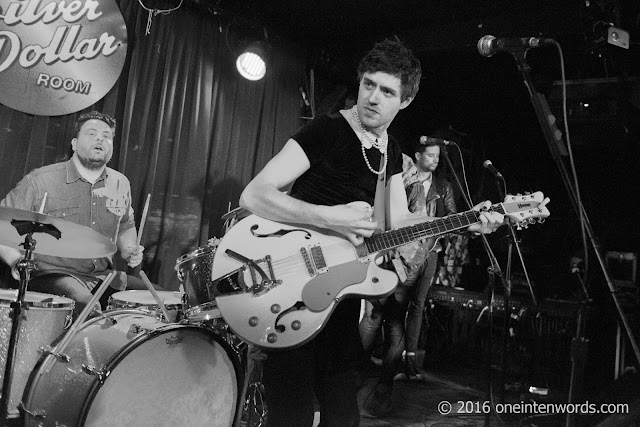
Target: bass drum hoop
[[120, 355]]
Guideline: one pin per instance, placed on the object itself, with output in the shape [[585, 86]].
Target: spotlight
[[251, 62]]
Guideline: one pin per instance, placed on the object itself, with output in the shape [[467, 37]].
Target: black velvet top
[[338, 172]]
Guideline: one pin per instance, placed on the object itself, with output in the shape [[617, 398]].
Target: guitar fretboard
[[437, 227]]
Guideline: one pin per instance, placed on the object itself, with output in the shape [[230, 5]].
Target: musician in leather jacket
[[429, 195]]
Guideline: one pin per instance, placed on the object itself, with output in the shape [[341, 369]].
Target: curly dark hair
[[94, 115], [391, 56]]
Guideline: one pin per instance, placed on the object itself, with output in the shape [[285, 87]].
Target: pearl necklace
[[380, 145]]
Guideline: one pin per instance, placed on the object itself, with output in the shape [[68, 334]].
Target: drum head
[[36, 299], [130, 369], [145, 298], [183, 376]]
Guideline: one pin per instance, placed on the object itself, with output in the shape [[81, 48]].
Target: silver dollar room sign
[[58, 57]]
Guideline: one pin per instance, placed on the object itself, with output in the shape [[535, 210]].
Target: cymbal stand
[[24, 266]]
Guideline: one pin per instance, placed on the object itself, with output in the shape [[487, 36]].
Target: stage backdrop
[[191, 131]]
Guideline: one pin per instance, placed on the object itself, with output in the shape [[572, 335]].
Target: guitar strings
[[295, 263]]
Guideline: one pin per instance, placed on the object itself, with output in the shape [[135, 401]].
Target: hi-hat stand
[[24, 267]]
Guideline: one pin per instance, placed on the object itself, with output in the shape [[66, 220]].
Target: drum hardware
[[49, 350], [136, 329], [91, 370], [106, 319], [24, 267], [35, 414], [56, 237]]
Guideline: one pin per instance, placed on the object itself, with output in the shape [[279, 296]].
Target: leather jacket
[[438, 201]]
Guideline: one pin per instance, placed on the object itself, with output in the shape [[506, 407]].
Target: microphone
[[488, 165], [435, 141], [489, 45]]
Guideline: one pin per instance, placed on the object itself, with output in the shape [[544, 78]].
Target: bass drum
[[128, 368]]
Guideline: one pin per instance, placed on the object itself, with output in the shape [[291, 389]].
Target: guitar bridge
[[264, 283], [267, 283]]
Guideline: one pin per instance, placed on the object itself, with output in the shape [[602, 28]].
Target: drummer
[[85, 191]]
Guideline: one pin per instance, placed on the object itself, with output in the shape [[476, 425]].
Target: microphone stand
[[494, 270], [501, 184], [543, 113]]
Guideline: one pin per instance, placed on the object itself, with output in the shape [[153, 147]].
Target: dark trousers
[[387, 315], [325, 371], [420, 284]]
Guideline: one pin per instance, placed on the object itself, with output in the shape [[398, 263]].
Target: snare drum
[[44, 318], [130, 369], [194, 272], [144, 300]]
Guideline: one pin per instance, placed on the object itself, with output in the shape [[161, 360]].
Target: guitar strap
[[379, 205], [380, 209]]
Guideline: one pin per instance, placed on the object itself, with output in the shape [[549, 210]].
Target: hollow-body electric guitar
[[277, 284]]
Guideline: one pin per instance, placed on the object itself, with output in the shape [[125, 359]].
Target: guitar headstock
[[526, 209]]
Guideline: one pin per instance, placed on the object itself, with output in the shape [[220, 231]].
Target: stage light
[[251, 62]]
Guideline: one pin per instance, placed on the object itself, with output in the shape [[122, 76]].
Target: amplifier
[[455, 297]]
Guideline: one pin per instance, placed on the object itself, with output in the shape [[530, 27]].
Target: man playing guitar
[[333, 161]]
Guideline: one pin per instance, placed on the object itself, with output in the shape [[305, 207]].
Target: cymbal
[[76, 241]]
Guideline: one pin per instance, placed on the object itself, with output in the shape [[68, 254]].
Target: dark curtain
[[192, 132]]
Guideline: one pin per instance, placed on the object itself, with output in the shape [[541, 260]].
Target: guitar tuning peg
[[527, 193], [544, 202], [541, 220]]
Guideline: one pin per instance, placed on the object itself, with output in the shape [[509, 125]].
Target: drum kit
[[151, 358]]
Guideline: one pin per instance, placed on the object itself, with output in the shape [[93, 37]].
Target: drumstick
[[145, 211], [83, 315], [147, 282], [44, 199]]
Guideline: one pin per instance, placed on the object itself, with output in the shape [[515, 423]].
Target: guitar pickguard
[[318, 292]]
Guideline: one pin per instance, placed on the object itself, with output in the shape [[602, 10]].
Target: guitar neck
[[434, 228]]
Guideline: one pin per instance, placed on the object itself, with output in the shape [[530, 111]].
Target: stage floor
[[415, 403]]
